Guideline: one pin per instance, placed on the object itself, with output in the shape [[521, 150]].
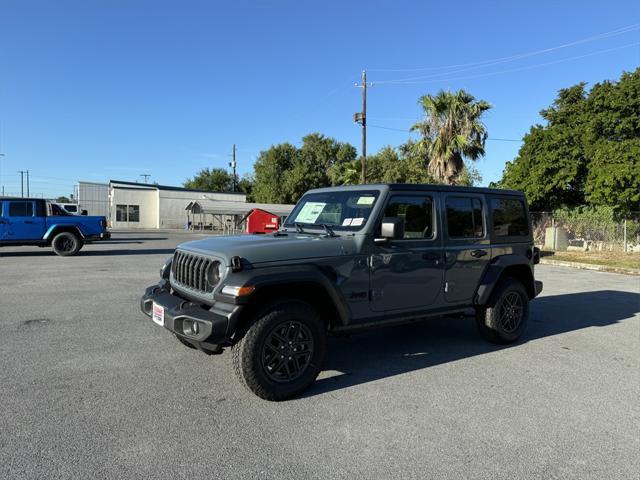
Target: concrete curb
[[590, 266]]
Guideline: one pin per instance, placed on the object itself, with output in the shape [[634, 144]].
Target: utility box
[[555, 238], [261, 221]]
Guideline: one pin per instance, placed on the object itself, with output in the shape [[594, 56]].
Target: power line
[[404, 130], [600, 36], [401, 82]]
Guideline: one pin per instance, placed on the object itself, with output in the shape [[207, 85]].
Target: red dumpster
[[261, 221]]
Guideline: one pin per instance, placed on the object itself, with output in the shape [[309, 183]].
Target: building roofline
[[168, 187]]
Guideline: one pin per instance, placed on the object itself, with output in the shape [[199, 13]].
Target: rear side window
[[464, 217], [509, 218], [21, 209]]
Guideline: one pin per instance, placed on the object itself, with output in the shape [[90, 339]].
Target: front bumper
[[179, 315]]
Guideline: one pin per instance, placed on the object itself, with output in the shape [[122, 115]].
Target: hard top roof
[[24, 199], [423, 187]]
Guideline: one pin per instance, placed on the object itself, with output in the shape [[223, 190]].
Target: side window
[[417, 213], [21, 209], [509, 218], [464, 217], [134, 213], [121, 213]]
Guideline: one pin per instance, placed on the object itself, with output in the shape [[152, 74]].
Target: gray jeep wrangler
[[348, 259]]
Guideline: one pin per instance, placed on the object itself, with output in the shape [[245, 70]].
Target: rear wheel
[[504, 320], [282, 351], [66, 244]]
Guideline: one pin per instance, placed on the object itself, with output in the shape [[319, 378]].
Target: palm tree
[[451, 132]]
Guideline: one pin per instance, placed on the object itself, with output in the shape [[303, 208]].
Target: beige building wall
[[142, 200]]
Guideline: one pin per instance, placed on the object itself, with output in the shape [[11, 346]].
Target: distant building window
[[509, 218], [134, 213], [464, 217], [121, 213], [21, 209], [127, 213]]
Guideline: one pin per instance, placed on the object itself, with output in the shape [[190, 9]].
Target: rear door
[[407, 273], [467, 245], [24, 224]]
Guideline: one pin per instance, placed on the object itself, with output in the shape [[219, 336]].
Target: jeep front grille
[[192, 271]]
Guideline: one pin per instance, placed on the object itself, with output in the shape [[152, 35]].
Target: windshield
[[343, 210]]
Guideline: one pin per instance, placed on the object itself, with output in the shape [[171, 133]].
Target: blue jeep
[[33, 221]]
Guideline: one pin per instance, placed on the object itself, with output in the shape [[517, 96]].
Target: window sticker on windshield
[[310, 212], [356, 222], [346, 222], [368, 200]]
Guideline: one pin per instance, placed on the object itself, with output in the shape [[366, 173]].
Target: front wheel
[[66, 244], [504, 320], [281, 353]]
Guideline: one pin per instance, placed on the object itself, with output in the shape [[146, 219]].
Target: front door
[[407, 273], [468, 248], [4, 222], [23, 224]]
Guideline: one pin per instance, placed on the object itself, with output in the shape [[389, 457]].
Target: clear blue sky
[[99, 90]]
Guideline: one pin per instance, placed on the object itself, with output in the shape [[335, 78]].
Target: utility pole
[[233, 165], [22, 172], [27, 183], [361, 118], [146, 176], [1, 155]]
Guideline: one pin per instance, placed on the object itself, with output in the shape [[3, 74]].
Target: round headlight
[[213, 274]]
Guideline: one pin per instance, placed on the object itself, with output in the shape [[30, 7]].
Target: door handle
[[29, 221], [478, 253], [375, 261]]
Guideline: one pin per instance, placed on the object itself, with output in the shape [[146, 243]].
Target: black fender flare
[[263, 278], [493, 273]]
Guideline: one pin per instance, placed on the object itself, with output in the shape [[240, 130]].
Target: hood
[[270, 248]]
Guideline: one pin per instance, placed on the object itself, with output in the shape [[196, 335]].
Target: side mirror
[[392, 229]]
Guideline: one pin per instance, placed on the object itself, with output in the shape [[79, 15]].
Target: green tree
[[451, 132], [245, 185], [63, 199], [269, 172], [588, 152], [284, 172], [212, 180], [317, 159]]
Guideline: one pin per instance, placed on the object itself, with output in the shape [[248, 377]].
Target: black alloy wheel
[[287, 351], [511, 312]]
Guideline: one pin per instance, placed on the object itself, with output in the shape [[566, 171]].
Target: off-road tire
[[249, 351], [66, 244], [490, 319]]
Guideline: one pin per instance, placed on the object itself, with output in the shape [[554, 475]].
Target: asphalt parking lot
[[91, 388]]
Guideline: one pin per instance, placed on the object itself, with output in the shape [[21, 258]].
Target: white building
[[93, 197], [141, 205]]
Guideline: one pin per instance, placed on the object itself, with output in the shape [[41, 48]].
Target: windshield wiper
[[299, 227], [328, 229]]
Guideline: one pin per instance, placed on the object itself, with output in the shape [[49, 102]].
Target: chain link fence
[[586, 232]]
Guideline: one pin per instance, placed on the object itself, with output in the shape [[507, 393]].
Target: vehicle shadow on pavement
[[91, 253], [123, 239], [396, 350]]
